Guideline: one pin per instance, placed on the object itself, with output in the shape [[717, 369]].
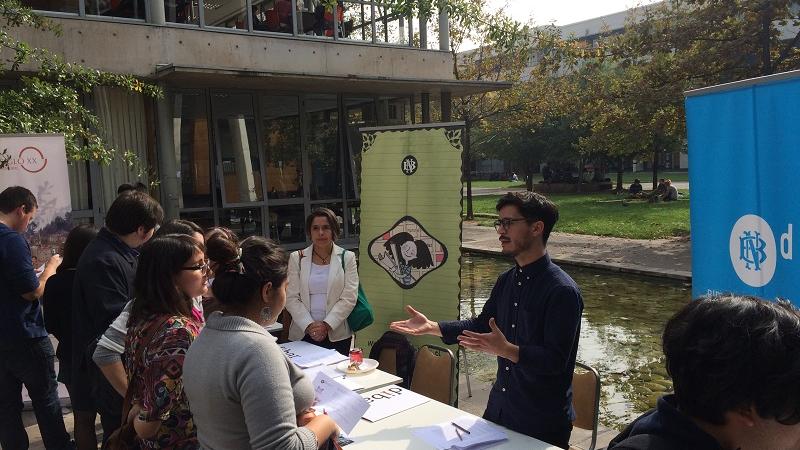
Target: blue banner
[[744, 154]]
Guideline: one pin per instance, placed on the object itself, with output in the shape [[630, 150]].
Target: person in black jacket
[[735, 365], [103, 285], [57, 305]]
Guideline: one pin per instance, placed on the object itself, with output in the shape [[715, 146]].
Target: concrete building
[[263, 101]]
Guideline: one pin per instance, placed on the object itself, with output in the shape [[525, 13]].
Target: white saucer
[[368, 365]]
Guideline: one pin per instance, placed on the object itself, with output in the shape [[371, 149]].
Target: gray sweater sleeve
[[111, 345], [268, 401]]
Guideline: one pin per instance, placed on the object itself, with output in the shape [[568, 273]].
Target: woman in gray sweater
[[243, 392]]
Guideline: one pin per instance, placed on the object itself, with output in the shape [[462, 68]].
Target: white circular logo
[[752, 247]]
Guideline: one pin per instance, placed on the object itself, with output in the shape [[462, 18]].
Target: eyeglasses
[[506, 223], [204, 267]]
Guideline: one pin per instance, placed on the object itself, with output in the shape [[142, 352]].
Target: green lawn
[[609, 215], [497, 184], [627, 178]]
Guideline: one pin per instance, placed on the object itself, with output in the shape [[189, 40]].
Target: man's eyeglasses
[[506, 223], [204, 267]]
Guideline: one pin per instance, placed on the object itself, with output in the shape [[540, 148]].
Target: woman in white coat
[[322, 290]]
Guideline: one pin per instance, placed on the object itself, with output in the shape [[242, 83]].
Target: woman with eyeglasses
[[323, 286], [244, 391], [172, 271]]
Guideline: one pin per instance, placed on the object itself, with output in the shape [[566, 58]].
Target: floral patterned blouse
[[157, 379]]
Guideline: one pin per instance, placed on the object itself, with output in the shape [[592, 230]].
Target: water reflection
[[621, 327]]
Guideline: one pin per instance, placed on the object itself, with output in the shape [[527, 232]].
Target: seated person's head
[[636, 181], [735, 365], [668, 182], [133, 216]]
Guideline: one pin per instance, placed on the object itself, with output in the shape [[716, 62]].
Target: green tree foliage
[[49, 92]]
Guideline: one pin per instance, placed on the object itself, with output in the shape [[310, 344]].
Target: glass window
[[283, 165], [79, 185], [182, 11], [272, 15], [245, 222], [357, 21], [322, 145], [67, 6], [240, 164], [226, 13], [360, 113], [192, 149], [287, 224], [354, 218], [204, 219], [130, 9]]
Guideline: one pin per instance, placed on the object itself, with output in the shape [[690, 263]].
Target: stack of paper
[[309, 355], [335, 375], [465, 432], [343, 405]]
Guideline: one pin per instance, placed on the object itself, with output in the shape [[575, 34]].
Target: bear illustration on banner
[[407, 252]]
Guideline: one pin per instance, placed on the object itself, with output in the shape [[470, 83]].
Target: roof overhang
[[208, 77]]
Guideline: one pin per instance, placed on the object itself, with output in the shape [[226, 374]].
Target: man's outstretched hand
[[416, 325], [493, 342]]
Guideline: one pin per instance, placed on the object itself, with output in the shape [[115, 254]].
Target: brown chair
[[434, 373], [284, 319], [586, 399]]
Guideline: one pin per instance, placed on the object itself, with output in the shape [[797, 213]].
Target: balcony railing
[[368, 21]]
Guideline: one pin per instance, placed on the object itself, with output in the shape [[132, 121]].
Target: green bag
[[362, 315]]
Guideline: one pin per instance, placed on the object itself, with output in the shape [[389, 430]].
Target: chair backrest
[[285, 319], [586, 399], [434, 373], [387, 360]]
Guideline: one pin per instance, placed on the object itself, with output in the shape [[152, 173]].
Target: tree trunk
[[580, 175], [468, 168], [655, 166], [620, 171]]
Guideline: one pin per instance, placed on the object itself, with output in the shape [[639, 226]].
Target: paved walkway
[[670, 258]]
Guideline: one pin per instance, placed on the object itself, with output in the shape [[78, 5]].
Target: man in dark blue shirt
[[26, 353], [531, 322]]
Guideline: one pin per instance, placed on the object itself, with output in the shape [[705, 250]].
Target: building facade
[[262, 106]]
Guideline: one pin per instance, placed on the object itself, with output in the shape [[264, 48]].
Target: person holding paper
[[531, 322], [26, 353], [243, 391], [323, 286]]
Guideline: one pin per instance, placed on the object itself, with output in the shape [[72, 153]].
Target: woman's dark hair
[[154, 288], [222, 248], [533, 207], [727, 352], [329, 215], [262, 261], [77, 240], [179, 226], [423, 259], [132, 210]]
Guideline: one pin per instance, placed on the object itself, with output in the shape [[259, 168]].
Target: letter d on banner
[[786, 243]]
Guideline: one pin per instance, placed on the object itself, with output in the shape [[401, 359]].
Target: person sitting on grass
[[735, 365], [670, 193], [635, 188]]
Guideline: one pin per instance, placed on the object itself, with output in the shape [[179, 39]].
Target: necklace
[[324, 260]]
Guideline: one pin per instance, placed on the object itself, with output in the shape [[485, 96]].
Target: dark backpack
[[404, 351]]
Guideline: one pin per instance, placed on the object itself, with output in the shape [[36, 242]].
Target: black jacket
[[57, 305], [664, 428], [103, 285]]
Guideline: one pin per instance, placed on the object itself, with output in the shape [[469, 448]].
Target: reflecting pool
[[621, 327]]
